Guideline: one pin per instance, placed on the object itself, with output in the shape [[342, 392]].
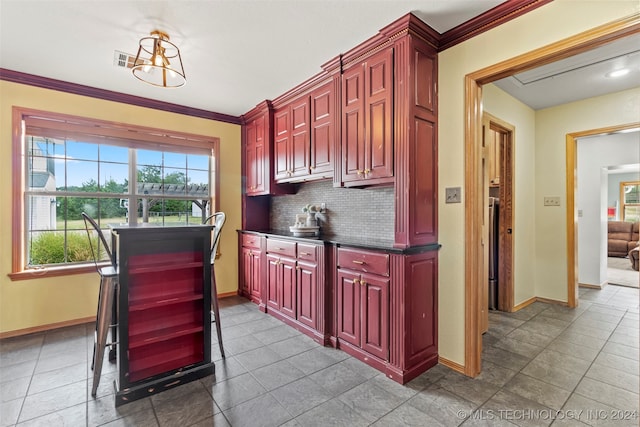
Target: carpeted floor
[[619, 272]]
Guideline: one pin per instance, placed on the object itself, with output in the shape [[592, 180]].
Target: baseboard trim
[[451, 365], [590, 286], [552, 301], [524, 304], [228, 294], [539, 299], [48, 327]]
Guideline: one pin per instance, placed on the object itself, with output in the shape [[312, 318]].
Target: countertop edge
[[345, 241]]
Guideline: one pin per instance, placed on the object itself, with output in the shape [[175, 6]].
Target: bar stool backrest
[[90, 224], [217, 220]]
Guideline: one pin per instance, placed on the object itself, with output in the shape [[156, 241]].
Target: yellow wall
[[552, 22], [505, 107], [540, 232], [31, 303], [552, 125]]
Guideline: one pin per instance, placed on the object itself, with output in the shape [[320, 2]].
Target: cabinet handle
[[367, 171], [359, 172], [298, 267], [362, 282], [312, 167], [250, 253], [356, 281], [280, 249], [355, 261], [305, 253]]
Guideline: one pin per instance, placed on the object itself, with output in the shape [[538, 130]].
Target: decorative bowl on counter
[[305, 231]]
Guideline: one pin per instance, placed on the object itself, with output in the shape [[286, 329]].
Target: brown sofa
[[621, 238], [634, 255]]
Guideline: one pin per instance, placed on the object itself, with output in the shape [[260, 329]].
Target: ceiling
[[236, 53]]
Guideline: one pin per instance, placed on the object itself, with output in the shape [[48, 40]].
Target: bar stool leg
[[216, 310], [103, 321]]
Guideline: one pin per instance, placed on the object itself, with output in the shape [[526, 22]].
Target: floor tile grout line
[[574, 391], [24, 399]]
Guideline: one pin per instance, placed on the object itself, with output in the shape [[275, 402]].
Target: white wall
[[595, 155], [500, 104]]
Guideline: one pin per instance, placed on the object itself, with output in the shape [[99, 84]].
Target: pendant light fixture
[[158, 61]]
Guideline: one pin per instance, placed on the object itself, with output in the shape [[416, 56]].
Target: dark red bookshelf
[[164, 300]]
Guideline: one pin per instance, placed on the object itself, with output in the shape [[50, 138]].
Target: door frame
[[475, 232], [506, 211], [572, 140]]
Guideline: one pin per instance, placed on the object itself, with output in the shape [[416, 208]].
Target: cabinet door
[[367, 121], [375, 315], [255, 283], [323, 122], [255, 156], [273, 282], [306, 279], [353, 163], [287, 285], [349, 300], [300, 141], [378, 81], [247, 271], [281, 144]]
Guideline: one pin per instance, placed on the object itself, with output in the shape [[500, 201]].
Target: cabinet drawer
[[250, 241], [306, 252], [282, 247], [365, 261]]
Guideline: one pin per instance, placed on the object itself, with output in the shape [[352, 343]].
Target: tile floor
[[544, 361]]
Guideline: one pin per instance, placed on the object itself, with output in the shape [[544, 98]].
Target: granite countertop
[[353, 241]]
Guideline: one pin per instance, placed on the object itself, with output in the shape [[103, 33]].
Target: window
[[69, 165], [630, 201]]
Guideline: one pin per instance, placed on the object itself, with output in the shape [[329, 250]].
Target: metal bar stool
[[217, 220], [108, 285]]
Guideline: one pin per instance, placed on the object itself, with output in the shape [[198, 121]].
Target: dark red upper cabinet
[[292, 140], [255, 156], [304, 135], [281, 143], [372, 117], [300, 138], [323, 130], [259, 158], [367, 121]]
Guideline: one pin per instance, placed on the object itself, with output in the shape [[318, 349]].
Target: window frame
[[91, 130], [622, 203]]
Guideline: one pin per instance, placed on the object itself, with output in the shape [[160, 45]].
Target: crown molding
[[107, 95], [492, 18]]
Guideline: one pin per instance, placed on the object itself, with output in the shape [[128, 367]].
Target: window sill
[[52, 272]]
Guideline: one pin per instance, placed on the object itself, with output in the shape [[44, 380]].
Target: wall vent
[[122, 59]]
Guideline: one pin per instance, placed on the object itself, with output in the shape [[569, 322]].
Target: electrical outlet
[[551, 201]]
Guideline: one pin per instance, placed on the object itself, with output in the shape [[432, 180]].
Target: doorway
[[590, 255], [497, 139], [475, 211]]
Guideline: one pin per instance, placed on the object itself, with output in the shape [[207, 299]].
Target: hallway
[[544, 361]]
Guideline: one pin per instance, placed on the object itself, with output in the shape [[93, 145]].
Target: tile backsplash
[[351, 212]]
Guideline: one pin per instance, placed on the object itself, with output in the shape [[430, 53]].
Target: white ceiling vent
[[122, 59]]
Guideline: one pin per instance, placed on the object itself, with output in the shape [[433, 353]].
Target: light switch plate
[[453, 195]]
